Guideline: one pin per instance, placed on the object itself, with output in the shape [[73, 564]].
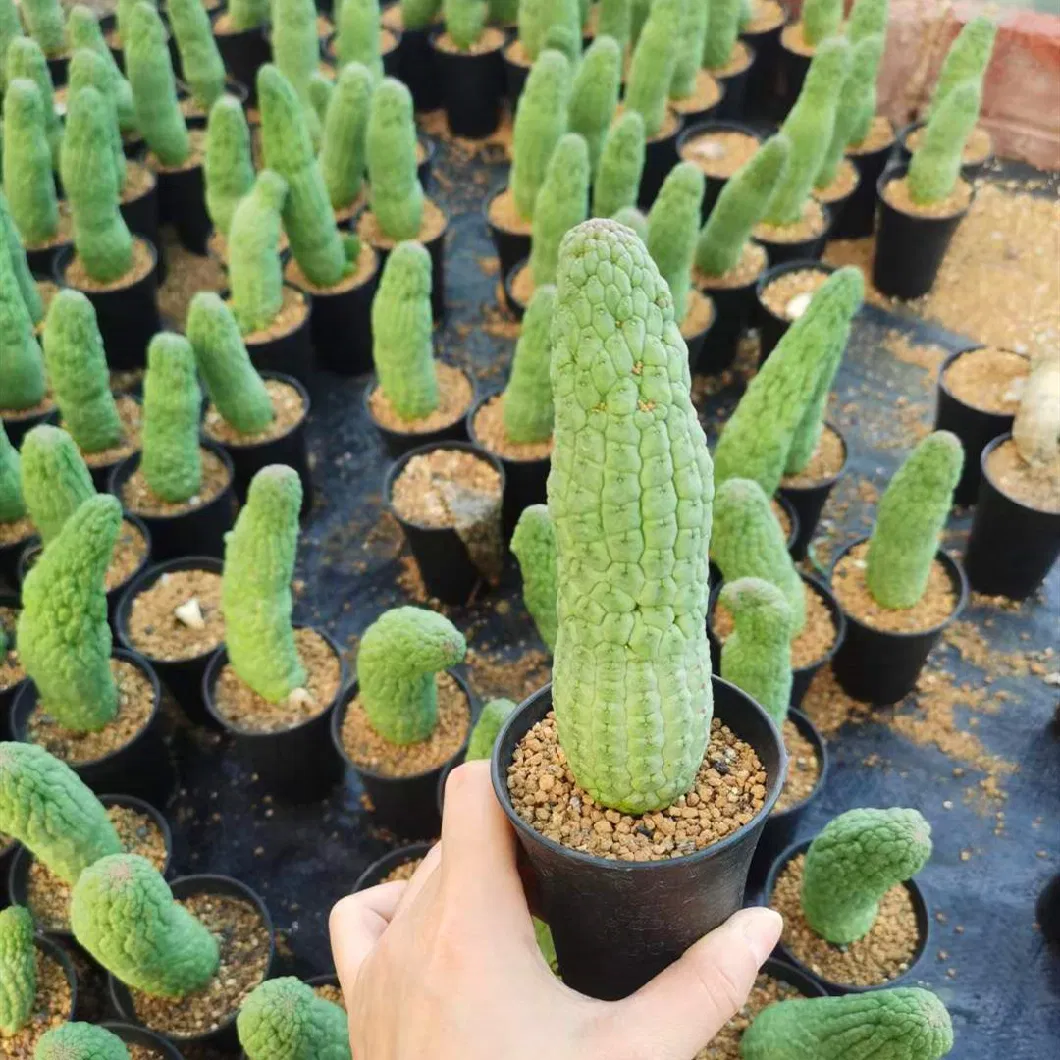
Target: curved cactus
[[14, 253], [419, 14], [594, 95], [12, 503], [562, 203], [465, 20], [621, 165], [396, 194], [283, 1019], [634, 220], [857, 858], [967, 59], [692, 33], [528, 411], [82, 28], [485, 731], [227, 166], [10, 29], [723, 29], [615, 21], [256, 588], [319, 94], [343, 151], [80, 1041], [935, 166], [909, 518], [27, 165], [857, 106], [26, 60], [203, 67], [55, 480], [820, 20], [248, 14], [22, 383], [295, 45], [534, 546], [255, 272], [124, 914], [399, 654], [672, 225], [18, 969], [652, 68], [357, 40], [88, 69], [540, 121], [44, 20], [64, 639]]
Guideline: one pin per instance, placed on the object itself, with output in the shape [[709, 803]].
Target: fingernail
[[760, 928]]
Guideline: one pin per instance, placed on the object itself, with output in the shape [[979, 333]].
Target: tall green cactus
[[909, 518], [18, 969], [22, 383], [540, 121], [723, 29], [89, 69], [562, 203], [396, 194], [503, 12], [358, 36], [343, 154], [10, 28], [652, 69], [616, 17], [485, 731], [25, 59], [672, 231], [538, 18], [820, 20], [82, 28], [27, 165], [321, 89], [419, 14], [55, 480], [855, 860], [295, 45], [399, 654], [80, 1041], [255, 272], [228, 169], [528, 410], [652, 620], [204, 69], [12, 503], [967, 59], [935, 166], [465, 20], [692, 33], [283, 1019], [44, 19], [621, 165], [534, 546], [868, 18], [14, 253], [248, 14], [634, 220], [594, 95], [856, 108]]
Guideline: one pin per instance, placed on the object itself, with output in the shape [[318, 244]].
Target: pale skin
[[446, 965]]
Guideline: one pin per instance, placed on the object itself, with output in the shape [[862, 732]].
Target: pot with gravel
[[783, 293], [286, 1018], [239, 30], [406, 718], [800, 42], [360, 37], [45, 22], [228, 170], [695, 93], [761, 28], [728, 59], [617, 175], [898, 590], [720, 149], [203, 77], [399, 864], [854, 917], [415, 21], [484, 733], [544, 26], [12, 673]]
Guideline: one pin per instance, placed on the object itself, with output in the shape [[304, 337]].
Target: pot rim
[[806, 727], [64, 258], [898, 170], [953, 357], [987, 450], [832, 479], [705, 126], [278, 377], [119, 1027], [472, 412], [390, 860], [373, 382], [773, 272], [498, 189], [50, 946]]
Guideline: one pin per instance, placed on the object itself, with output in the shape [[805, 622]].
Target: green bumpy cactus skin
[[25, 59], [909, 519], [534, 546], [12, 503], [723, 27], [621, 165], [44, 19], [538, 18], [756, 441], [283, 1019], [528, 410], [419, 14], [967, 59], [652, 68], [399, 655], [228, 169], [123, 913], [820, 20], [756, 656], [343, 151], [232, 383], [693, 32], [64, 639], [255, 272], [486, 730], [503, 12], [10, 29], [82, 28], [319, 96], [615, 21], [358, 36], [80, 1041], [22, 383], [248, 14], [867, 19], [935, 166], [402, 329], [27, 165], [857, 858], [18, 969], [256, 587], [14, 253], [857, 106], [809, 127], [465, 20], [562, 203], [295, 45], [903, 1023], [396, 197], [204, 69], [594, 95], [630, 494], [55, 480], [77, 369], [88, 69], [540, 121], [672, 230]]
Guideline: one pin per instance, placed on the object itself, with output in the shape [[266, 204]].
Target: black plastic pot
[[698, 342], [809, 501], [511, 302], [878, 667], [58, 70], [243, 54], [1012, 547], [792, 69], [379, 870], [1047, 912], [425, 170], [734, 88], [446, 565], [762, 83], [101, 472], [969, 170], [909, 250], [290, 354], [858, 218], [17, 427], [407, 806], [199, 531], [341, 326], [142, 217], [417, 66], [733, 312], [713, 185], [436, 249], [144, 1038], [512, 247], [6, 854], [9, 557], [41, 261], [781, 252], [660, 156], [182, 202], [297, 764], [923, 922], [223, 1037], [617, 924], [472, 88], [182, 677], [771, 328], [12, 602], [128, 317], [397, 443], [838, 207]]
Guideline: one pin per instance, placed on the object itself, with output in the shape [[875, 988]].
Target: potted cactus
[[26, 61], [800, 41], [534, 546], [14, 254], [16, 527], [228, 170], [343, 150], [85, 1041], [239, 29], [361, 37], [540, 25], [720, 149], [202, 68], [45, 22], [694, 93], [296, 55], [617, 177], [594, 95], [728, 57], [899, 590], [12, 673], [415, 65], [287, 1018]]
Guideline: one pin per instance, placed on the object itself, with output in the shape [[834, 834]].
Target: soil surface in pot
[[881, 133], [489, 429], [131, 415], [51, 1009], [794, 39], [811, 224], [782, 516], [331, 992], [143, 1052], [505, 214], [720, 154], [977, 149], [699, 314], [138, 497], [217, 245], [179, 616], [288, 411], [130, 550], [705, 93], [11, 671], [143, 261], [446, 487], [752, 263], [490, 40], [48, 897], [362, 271], [826, 461], [671, 123], [523, 285], [196, 147], [765, 15], [139, 180], [789, 295], [1035, 487], [245, 710], [293, 311], [46, 404], [739, 60], [804, 769], [729, 791], [454, 398], [17, 530], [844, 182], [880, 956], [367, 749], [434, 223], [896, 193], [725, 1045], [64, 233], [989, 379]]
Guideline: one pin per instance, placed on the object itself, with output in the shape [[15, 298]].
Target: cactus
[[856, 107], [562, 203], [18, 969], [25, 59], [396, 194], [55, 480], [227, 166], [88, 69], [80, 1041], [672, 233], [855, 860], [44, 20], [594, 95], [967, 59], [615, 21], [342, 154], [12, 503], [283, 1019], [820, 20], [10, 28], [621, 165], [1036, 431], [638, 15], [935, 166], [255, 272], [248, 14], [12, 252], [420, 14], [256, 588], [809, 127], [77, 368], [528, 411], [503, 12], [319, 94], [465, 20], [402, 343], [692, 34], [27, 165], [540, 121], [652, 68], [868, 18], [903, 1023], [64, 639], [634, 220], [204, 69], [123, 913], [534, 546], [83, 30], [622, 392], [723, 29], [231, 381], [22, 383], [909, 519], [539, 18], [295, 45], [358, 37], [486, 730]]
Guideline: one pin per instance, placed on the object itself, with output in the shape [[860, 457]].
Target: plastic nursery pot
[[379, 870], [699, 342], [425, 169], [9, 557], [198, 531], [783, 251], [41, 260], [791, 73], [762, 85], [660, 156], [515, 75], [910, 249], [6, 854], [472, 88], [232, 88], [902, 154], [436, 249], [182, 203], [417, 66], [141, 215], [244, 53], [734, 88], [879, 667], [838, 207], [512, 302], [128, 317], [858, 219], [788, 973], [10, 602], [290, 353], [733, 311], [833, 989], [617, 924], [1012, 546], [713, 185], [152, 1043], [445, 561], [223, 1036], [1047, 912], [48, 947], [809, 501], [17, 427], [407, 806], [398, 443], [512, 247], [772, 328]]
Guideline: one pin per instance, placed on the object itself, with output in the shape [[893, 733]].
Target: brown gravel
[[405, 871], [505, 215], [139, 180], [455, 394], [752, 263], [765, 15], [882, 955], [143, 1052], [143, 261], [50, 1010], [720, 154], [698, 315], [361, 273], [811, 224], [794, 40], [705, 93], [130, 551], [16, 530], [367, 750], [293, 311], [826, 462], [779, 294], [781, 516], [978, 148], [495, 674], [492, 39], [896, 193], [434, 223], [523, 285], [156, 630], [288, 409], [725, 1045], [489, 430], [989, 379], [246, 711], [739, 60], [1036, 487], [196, 146], [729, 791], [804, 769], [846, 180], [244, 942], [11, 671], [46, 404], [136, 495], [330, 992], [131, 415], [880, 135], [443, 487]]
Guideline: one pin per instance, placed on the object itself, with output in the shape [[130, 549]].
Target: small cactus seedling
[[283, 1019], [357, 40], [1036, 431], [465, 20], [22, 383], [820, 20], [27, 165], [903, 1023], [256, 587], [10, 29], [14, 253], [534, 546], [18, 969], [80, 1041], [562, 203], [343, 151], [857, 858], [204, 69], [616, 22], [672, 233], [248, 14], [123, 913], [55, 480], [12, 503], [868, 18], [652, 69], [935, 166], [227, 165], [26, 60], [82, 29], [419, 14], [89, 69], [967, 59], [255, 272], [723, 28], [528, 411], [44, 20], [485, 731], [64, 639], [396, 197], [909, 519], [399, 655], [621, 165], [594, 95], [692, 34]]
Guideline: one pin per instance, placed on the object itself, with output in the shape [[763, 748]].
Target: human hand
[[446, 965]]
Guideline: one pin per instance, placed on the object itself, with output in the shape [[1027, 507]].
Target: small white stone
[[191, 614], [300, 697], [798, 305]]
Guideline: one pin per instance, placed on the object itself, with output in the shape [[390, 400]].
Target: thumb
[[682, 1008]]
